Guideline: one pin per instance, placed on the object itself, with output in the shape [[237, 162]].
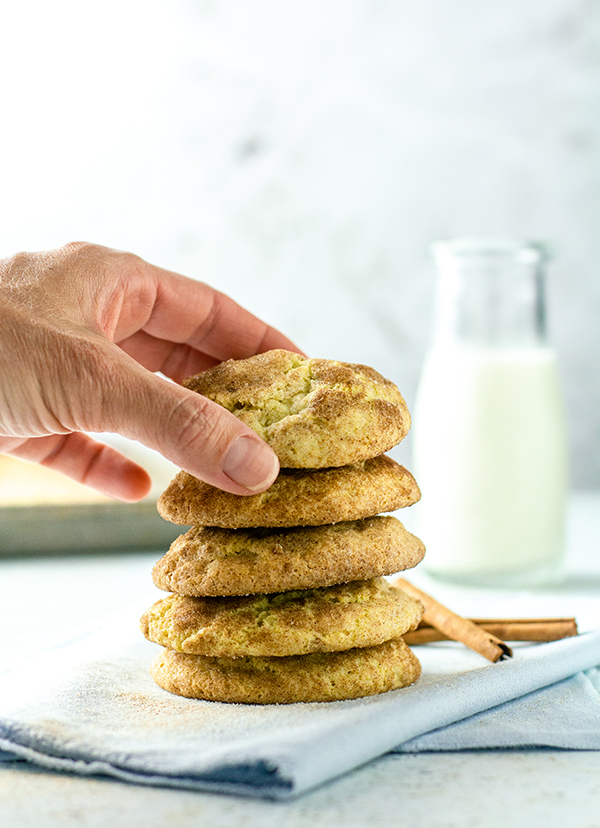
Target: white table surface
[[49, 596]]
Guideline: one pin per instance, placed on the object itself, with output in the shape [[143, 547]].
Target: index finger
[[185, 311]]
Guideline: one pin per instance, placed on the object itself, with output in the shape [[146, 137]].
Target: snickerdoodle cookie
[[298, 497], [341, 617], [213, 561], [314, 413], [315, 677]]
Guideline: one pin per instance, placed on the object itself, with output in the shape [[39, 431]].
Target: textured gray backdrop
[[301, 155]]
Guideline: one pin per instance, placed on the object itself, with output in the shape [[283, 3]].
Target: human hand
[[82, 330]]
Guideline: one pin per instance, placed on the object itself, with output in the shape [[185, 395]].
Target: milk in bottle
[[488, 428]]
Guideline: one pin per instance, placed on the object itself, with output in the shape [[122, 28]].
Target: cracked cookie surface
[[213, 561], [298, 497], [315, 677], [296, 622], [314, 413]]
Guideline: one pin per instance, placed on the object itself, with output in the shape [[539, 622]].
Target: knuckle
[[78, 246], [17, 265], [77, 252], [100, 256]]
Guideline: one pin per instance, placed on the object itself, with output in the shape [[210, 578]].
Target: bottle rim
[[523, 250]]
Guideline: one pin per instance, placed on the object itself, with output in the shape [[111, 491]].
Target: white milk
[[490, 458]]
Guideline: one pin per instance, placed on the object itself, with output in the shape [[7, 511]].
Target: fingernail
[[250, 464]]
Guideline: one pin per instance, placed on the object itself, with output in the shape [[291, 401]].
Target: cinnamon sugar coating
[[316, 677], [212, 561], [298, 497], [314, 413]]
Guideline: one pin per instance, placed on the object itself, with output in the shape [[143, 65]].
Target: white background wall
[[301, 155]]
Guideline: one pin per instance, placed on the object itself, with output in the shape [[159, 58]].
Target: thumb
[[194, 433]]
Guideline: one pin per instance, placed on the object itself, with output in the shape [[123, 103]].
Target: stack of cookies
[[279, 597]]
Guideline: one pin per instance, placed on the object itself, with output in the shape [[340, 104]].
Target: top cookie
[[314, 413]]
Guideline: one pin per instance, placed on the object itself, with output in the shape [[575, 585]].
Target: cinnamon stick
[[507, 629], [455, 626]]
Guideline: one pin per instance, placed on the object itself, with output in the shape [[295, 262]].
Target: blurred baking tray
[[79, 527]]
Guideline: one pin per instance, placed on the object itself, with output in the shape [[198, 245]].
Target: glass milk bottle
[[489, 426]]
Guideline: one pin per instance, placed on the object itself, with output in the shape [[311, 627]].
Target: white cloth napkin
[[88, 706]]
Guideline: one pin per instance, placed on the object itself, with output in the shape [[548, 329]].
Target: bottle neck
[[490, 294]]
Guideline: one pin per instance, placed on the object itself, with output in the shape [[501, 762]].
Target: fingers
[[85, 460], [80, 301], [176, 361], [230, 331], [194, 433], [176, 309]]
